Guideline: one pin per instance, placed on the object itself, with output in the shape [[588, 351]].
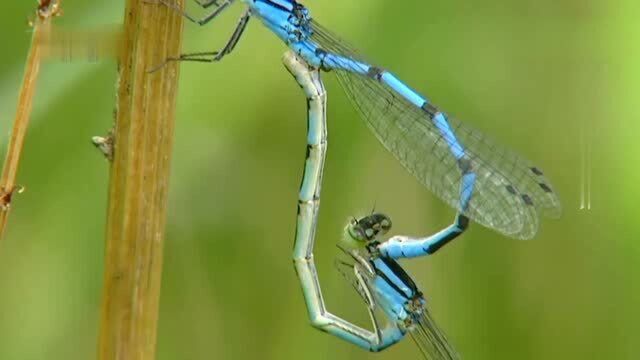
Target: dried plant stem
[[139, 182], [41, 26]]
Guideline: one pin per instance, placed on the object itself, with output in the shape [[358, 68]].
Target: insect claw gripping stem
[[202, 21], [214, 56], [193, 57], [209, 56]]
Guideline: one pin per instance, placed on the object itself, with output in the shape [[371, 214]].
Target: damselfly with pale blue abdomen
[[402, 311], [483, 181], [395, 304]]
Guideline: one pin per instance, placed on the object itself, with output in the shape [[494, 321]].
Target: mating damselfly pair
[[481, 180]]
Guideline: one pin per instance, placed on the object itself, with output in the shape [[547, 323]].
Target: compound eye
[[381, 223], [371, 233], [357, 232], [370, 227], [385, 225]]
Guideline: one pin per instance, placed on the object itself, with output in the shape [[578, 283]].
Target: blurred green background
[[531, 74]]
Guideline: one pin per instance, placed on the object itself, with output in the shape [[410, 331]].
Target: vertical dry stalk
[[139, 182], [41, 26]]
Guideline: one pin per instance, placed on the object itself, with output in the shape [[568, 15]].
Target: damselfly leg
[[207, 56], [213, 56], [206, 4]]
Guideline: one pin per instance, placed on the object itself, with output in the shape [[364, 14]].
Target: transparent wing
[[366, 292], [509, 193], [346, 269], [431, 340]]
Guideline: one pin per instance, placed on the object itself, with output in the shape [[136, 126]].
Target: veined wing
[[509, 193], [365, 288], [431, 340], [345, 268]]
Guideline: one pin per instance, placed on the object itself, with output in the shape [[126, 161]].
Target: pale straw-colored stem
[[139, 182]]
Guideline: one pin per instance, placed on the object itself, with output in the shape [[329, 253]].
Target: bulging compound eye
[[385, 225], [356, 231], [370, 227]]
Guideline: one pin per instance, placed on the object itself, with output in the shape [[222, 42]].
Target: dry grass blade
[[139, 182], [46, 10]]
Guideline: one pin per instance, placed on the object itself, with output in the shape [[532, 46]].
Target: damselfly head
[[370, 227]]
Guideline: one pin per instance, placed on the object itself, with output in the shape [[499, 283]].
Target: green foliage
[[530, 73]]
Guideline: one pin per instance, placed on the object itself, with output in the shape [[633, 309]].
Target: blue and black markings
[[430, 109], [284, 5], [375, 72]]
